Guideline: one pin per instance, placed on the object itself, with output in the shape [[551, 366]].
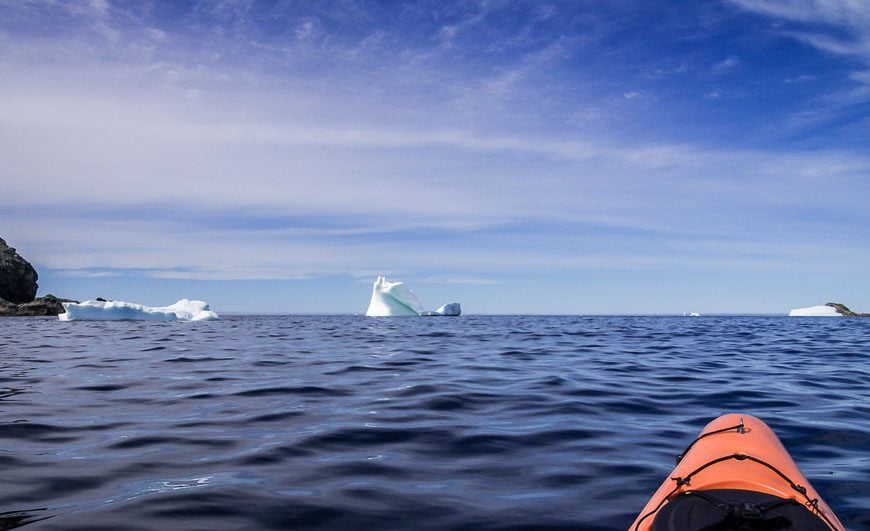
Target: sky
[[565, 157]]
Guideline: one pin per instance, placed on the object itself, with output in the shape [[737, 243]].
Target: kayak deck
[[736, 475]]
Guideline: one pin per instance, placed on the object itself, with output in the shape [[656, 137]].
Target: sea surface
[[348, 422]]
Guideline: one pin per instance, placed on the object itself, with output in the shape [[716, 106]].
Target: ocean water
[[347, 422]]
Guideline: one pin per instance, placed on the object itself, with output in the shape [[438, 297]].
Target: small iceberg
[[392, 299], [815, 311], [183, 310]]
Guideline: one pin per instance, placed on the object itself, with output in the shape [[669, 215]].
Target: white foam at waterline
[[815, 311], [395, 299], [183, 310]]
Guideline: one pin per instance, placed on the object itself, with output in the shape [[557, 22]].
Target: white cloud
[[447, 34], [842, 12], [799, 79], [141, 169], [861, 77], [662, 73], [840, 27], [86, 273], [726, 65], [95, 9], [460, 279], [836, 27], [305, 30], [156, 34], [168, 173]]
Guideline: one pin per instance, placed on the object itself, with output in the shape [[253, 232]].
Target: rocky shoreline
[[844, 311], [40, 306], [18, 286]]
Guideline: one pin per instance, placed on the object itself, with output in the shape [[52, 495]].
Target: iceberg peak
[[394, 298]]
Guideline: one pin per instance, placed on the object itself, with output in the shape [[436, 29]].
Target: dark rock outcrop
[[42, 306], [17, 277], [844, 311], [18, 288]]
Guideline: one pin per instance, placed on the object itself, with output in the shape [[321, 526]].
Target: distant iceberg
[[392, 299], [183, 310], [815, 311], [451, 309]]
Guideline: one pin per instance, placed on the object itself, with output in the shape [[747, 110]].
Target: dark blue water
[[345, 422]]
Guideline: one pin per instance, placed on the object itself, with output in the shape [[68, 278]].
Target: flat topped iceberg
[[815, 311], [391, 299], [183, 310]]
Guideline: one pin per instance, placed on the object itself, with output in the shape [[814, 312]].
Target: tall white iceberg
[[183, 310], [815, 311], [390, 299]]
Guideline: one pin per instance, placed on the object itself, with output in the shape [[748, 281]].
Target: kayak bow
[[736, 475]]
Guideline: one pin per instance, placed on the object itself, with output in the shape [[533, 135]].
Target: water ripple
[[478, 422]]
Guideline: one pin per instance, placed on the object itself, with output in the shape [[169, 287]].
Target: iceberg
[[392, 299], [451, 309], [183, 310], [815, 311]]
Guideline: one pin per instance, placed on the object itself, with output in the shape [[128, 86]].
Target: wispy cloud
[[840, 27], [87, 273], [804, 78], [456, 144], [461, 280], [726, 65], [837, 28], [663, 73], [846, 12]]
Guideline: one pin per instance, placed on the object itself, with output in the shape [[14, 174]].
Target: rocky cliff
[[18, 287], [17, 277]]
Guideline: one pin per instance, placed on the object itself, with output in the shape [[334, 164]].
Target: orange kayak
[[736, 475]]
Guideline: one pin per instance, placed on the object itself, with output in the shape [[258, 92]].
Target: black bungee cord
[[811, 503]]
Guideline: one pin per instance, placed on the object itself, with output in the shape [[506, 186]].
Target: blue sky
[[519, 157]]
